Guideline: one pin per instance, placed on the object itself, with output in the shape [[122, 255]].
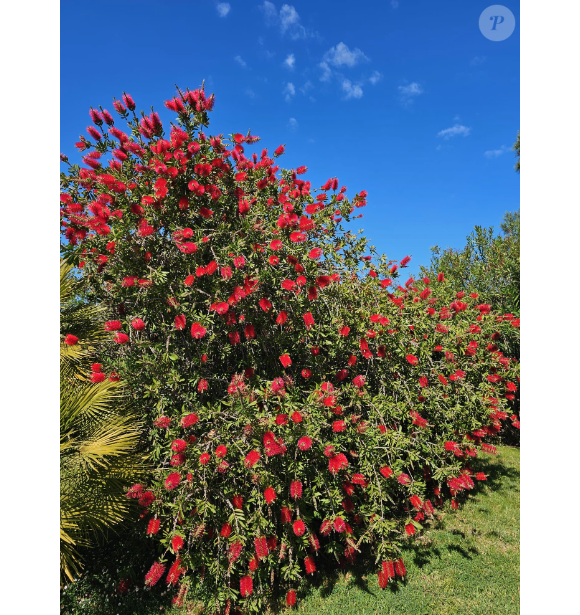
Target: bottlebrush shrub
[[302, 403]]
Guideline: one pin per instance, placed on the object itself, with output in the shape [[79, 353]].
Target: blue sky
[[407, 100]]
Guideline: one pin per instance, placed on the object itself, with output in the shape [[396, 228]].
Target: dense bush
[[302, 403]]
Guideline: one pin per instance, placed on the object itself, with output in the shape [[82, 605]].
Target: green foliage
[[516, 149], [488, 265], [97, 438], [284, 376]]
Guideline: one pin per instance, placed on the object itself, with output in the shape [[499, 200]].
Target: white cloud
[[307, 86], [454, 131], [394, 3], [375, 77], [407, 93], [241, 62], [293, 123], [250, 93], [223, 8], [326, 71], [341, 55], [478, 60], [288, 19], [352, 91], [494, 153], [289, 90], [290, 61], [270, 12]]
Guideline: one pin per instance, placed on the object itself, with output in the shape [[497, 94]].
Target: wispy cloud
[[341, 55], [407, 93], [289, 90], [250, 93], [454, 131], [478, 61], [293, 123], [395, 3], [287, 19], [290, 61], [375, 77], [326, 71], [223, 8], [306, 87], [494, 153], [241, 62], [351, 90]]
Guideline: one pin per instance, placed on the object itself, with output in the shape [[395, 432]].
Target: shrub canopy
[[303, 401]]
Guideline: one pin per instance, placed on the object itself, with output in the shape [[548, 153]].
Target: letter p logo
[[497, 23], [497, 19]]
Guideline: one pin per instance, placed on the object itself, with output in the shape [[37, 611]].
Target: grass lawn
[[467, 563]]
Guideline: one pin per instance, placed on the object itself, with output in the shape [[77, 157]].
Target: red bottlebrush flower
[[282, 318], [252, 459], [297, 237], [261, 545], [306, 373], [221, 451], [155, 573], [275, 244], [239, 262], [153, 526], [162, 422], [359, 479], [273, 260], [221, 308], [440, 277], [299, 527], [386, 471], [178, 445], [404, 479], [338, 426], [147, 498], [253, 564], [309, 564], [234, 551], [337, 463], [226, 530], [177, 460], [138, 324], [189, 420], [359, 381], [315, 253], [415, 501], [265, 304], [304, 443], [291, 598], [282, 419], [121, 338], [308, 320], [454, 504], [400, 568], [97, 377], [344, 331], [202, 385], [172, 481], [279, 150], [389, 569], [237, 501], [405, 261], [269, 495], [246, 586], [71, 340], [176, 543], [234, 337], [423, 382], [113, 325], [197, 330], [285, 360], [204, 458], [296, 489], [180, 322], [480, 476], [413, 360], [286, 515], [296, 417], [339, 525], [175, 572]]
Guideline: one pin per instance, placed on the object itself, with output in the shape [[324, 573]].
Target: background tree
[[516, 149]]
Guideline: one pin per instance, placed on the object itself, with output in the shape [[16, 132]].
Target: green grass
[[466, 563]]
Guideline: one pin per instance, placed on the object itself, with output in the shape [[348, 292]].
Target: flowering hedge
[[303, 401]]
